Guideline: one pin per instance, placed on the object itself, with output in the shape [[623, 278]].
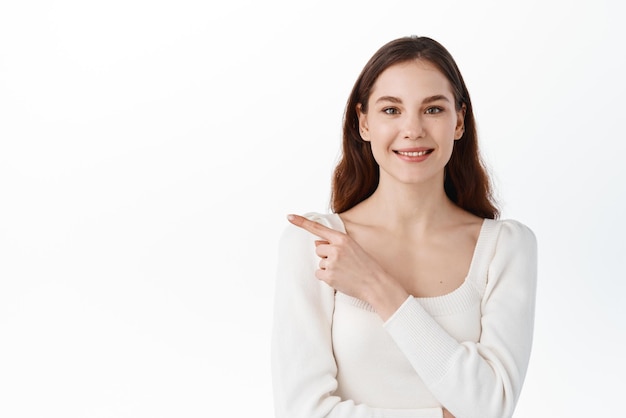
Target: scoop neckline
[[480, 243]]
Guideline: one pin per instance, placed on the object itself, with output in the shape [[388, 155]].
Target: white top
[[333, 356]]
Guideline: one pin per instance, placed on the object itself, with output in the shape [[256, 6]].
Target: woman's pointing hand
[[346, 266]]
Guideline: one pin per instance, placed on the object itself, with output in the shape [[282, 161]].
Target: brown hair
[[356, 175]]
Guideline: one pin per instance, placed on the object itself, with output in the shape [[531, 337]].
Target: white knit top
[[333, 356]]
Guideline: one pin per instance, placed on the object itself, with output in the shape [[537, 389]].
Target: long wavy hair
[[357, 173]]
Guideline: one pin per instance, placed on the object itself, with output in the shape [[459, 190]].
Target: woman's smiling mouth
[[414, 153]]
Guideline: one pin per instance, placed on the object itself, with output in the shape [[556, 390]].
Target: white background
[[149, 151]]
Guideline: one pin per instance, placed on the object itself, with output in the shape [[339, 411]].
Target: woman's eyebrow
[[429, 99], [389, 99], [435, 98]]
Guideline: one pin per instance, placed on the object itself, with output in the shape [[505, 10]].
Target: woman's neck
[[398, 206]]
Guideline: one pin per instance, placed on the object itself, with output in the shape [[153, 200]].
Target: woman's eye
[[391, 111], [434, 110]]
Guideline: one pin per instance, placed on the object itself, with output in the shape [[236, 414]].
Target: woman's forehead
[[411, 78]]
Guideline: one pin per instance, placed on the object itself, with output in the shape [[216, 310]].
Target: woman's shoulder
[[510, 232]]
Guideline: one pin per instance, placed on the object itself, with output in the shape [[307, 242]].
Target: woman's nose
[[413, 127]]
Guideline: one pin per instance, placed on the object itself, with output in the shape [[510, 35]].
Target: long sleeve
[[303, 366], [479, 379]]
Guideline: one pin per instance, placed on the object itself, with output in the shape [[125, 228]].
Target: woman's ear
[[459, 130], [363, 126]]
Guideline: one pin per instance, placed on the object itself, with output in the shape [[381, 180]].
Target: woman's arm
[[303, 366], [482, 379]]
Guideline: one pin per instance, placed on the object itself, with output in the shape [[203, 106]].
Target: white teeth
[[412, 153]]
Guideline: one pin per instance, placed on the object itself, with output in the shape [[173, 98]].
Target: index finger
[[314, 227]]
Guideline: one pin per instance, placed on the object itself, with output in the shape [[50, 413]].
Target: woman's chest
[[426, 268], [368, 358], [459, 313]]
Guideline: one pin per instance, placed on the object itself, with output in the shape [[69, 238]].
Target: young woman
[[410, 299]]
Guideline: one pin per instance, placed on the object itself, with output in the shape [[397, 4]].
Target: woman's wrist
[[387, 296]]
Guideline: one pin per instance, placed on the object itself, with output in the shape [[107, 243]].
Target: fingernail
[[290, 217]]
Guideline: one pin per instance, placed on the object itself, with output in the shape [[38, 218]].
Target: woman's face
[[411, 122]]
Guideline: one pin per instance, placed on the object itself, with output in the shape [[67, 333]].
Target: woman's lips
[[413, 155]]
